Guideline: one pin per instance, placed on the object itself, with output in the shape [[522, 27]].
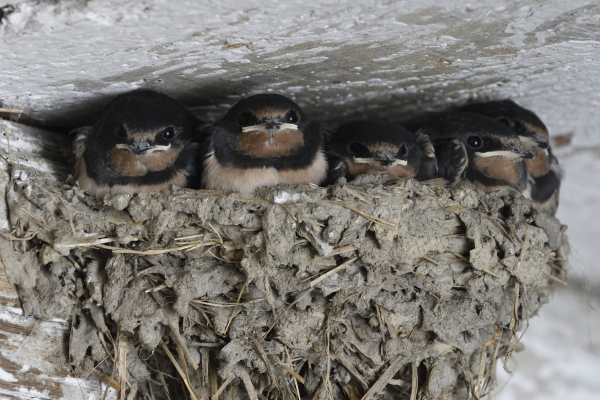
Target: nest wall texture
[[367, 289]]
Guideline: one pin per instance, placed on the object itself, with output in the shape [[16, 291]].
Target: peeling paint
[[63, 60], [7, 377]]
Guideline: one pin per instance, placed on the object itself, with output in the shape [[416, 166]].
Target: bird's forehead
[[384, 147], [150, 122], [507, 141], [372, 133], [271, 112], [495, 132], [143, 132]]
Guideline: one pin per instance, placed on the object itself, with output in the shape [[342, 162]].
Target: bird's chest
[[217, 176]]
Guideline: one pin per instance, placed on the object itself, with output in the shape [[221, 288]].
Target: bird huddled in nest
[[145, 141], [263, 140], [379, 147], [544, 171], [475, 150]]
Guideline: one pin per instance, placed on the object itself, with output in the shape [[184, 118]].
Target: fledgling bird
[[476, 150], [263, 140], [544, 170], [145, 141], [379, 147]]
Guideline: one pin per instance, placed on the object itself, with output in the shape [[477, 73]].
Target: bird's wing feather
[[428, 168], [81, 138], [337, 168], [452, 159]]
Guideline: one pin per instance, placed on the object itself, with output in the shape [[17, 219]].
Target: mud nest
[[368, 289]]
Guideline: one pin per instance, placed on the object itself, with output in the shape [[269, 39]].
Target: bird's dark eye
[[506, 122], [244, 119], [475, 142], [121, 132], [292, 117], [402, 151], [357, 148], [169, 133]]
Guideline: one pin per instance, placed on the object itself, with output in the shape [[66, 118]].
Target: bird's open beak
[[263, 127], [139, 148]]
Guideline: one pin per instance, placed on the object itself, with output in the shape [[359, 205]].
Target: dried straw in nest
[[360, 290]]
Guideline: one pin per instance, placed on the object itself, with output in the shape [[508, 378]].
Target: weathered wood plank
[[33, 356], [33, 360]]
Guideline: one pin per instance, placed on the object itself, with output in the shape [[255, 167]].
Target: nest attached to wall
[[368, 289]]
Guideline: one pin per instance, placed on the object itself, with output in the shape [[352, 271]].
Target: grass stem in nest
[[370, 217]]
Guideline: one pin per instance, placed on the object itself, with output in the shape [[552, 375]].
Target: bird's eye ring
[[292, 117], [244, 119], [475, 142], [356, 148], [169, 133]]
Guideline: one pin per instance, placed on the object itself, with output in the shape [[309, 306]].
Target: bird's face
[[377, 147], [136, 151], [490, 145], [264, 127], [143, 135], [379, 157], [531, 130], [269, 132], [496, 156], [534, 137]]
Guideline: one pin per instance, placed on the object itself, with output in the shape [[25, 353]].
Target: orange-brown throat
[[501, 168], [539, 165], [126, 163], [270, 144]]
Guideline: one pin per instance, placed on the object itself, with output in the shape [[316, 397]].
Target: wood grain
[[33, 353]]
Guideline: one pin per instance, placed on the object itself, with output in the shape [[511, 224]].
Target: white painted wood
[[33, 148]]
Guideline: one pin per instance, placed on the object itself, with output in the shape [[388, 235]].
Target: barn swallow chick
[[544, 170], [379, 147], [476, 150], [145, 141], [263, 140]]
